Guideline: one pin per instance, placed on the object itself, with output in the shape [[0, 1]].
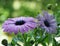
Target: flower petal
[[40, 17]]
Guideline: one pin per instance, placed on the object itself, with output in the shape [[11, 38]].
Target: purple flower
[[22, 24], [47, 22]]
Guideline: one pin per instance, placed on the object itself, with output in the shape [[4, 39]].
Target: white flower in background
[[4, 38], [16, 4], [57, 39], [40, 45]]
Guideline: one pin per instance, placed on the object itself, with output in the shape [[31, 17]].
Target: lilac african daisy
[[22, 24], [47, 22]]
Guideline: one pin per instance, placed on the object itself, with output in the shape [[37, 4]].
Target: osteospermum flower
[[47, 22], [22, 24]]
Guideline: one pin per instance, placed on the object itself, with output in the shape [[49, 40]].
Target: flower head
[[5, 39], [22, 24], [47, 22]]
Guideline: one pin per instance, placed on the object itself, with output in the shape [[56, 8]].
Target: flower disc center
[[47, 23], [21, 22], [4, 42]]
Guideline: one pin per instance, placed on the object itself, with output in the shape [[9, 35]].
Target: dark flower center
[[4, 42], [47, 23], [21, 22]]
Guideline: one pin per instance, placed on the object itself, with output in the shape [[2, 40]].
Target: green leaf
[[20, 37], [54, 42]]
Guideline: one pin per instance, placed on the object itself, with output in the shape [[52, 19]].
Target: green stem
[[27, 44]]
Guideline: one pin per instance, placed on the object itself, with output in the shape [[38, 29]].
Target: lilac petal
[[40, 17], [54, 24], [52, 30], [9, 28], [26, 28], [16, 29], [42, 23], [22, 29], [8, 22], [27, 19], [30, 19], [12, 28], [47, 29], [52, 17], [31, 25], [5, 30], [52, 21], [47, 16], [17, 19]]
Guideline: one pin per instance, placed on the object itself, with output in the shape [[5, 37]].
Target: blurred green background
[[17, 8]]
